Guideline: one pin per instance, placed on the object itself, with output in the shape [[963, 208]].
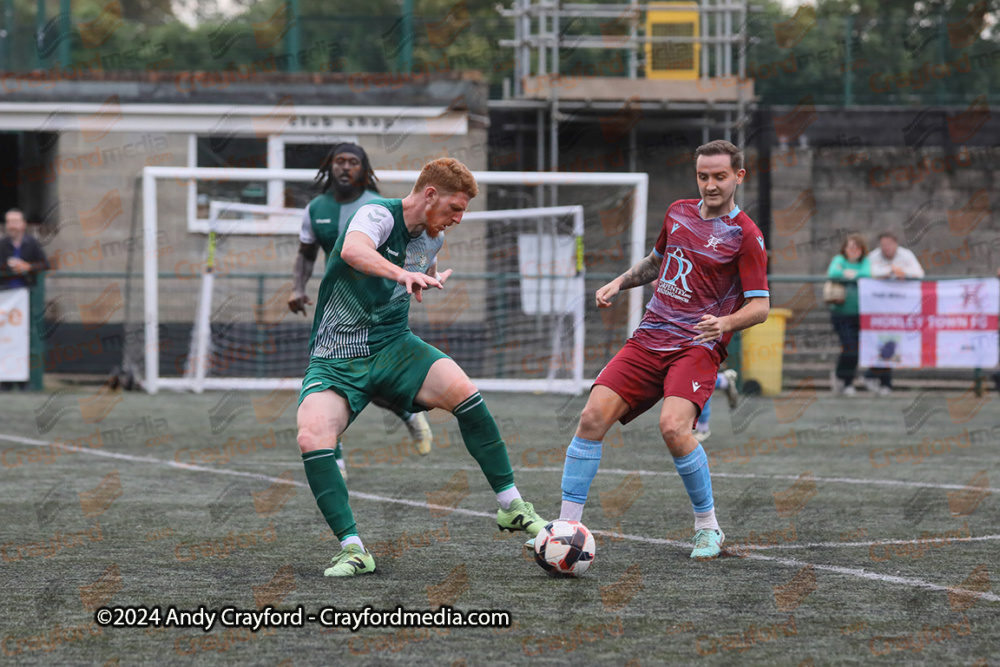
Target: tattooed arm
[[642, 273]]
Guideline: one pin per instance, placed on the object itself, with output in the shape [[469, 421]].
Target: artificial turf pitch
[[850, 541]]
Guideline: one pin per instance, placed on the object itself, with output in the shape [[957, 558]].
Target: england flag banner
[[933, 324]]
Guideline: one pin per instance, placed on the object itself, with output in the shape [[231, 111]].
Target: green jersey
[[357, 314], [325, 218], [835, 272]]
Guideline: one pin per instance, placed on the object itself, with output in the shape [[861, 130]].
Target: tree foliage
[[837, 51], [875, 52]]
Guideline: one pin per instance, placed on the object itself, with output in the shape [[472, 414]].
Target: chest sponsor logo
[[673, 281], [322, 221], [392, 252]]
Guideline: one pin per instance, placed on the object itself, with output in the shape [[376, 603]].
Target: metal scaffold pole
[[545, 29]]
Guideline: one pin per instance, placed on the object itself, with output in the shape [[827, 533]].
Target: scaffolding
[[717, 97]]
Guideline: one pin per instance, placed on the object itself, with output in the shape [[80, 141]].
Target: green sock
[[328, 488], [482, 439]]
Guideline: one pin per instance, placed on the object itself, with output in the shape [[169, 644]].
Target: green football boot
[[351, 560], [707, 544], [520, 516]]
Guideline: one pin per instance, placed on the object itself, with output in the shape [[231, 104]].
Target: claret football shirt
[[709, 267]]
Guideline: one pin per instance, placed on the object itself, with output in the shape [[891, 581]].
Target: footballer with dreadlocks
[[347, 182]]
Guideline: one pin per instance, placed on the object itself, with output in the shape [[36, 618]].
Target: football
[[564, 548]]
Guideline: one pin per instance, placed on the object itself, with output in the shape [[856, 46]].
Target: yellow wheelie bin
[[763, 352]]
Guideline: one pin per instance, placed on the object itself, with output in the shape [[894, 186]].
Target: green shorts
[[395, 374]]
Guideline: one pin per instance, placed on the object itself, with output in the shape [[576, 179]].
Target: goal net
[[514, 314]]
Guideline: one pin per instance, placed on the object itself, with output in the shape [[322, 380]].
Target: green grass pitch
[[849, 540]]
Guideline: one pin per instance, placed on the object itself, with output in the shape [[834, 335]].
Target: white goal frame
[[289, 222], [153, 382]]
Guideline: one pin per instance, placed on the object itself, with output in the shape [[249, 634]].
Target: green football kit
[[361, 347], [361, 344]]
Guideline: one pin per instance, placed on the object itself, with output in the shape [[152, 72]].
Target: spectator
[[21, 255], [895, 263], [852, 263]]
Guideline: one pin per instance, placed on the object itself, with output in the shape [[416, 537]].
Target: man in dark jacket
[[21, 255], [21, 258]]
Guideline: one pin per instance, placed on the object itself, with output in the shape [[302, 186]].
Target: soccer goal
[[513, 313]]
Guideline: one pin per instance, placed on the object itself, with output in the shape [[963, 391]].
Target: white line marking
[[819, 480], [874, 576], [902, 581], [864, 574], [654, 473], [414, 503], [848, 480], [26, 441], [834, 545], [235, 473]]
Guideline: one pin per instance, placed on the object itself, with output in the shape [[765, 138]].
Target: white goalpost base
[[288, 221]]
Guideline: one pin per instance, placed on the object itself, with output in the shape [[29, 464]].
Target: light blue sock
[[582, 460], [705, 416], [693, 469]]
